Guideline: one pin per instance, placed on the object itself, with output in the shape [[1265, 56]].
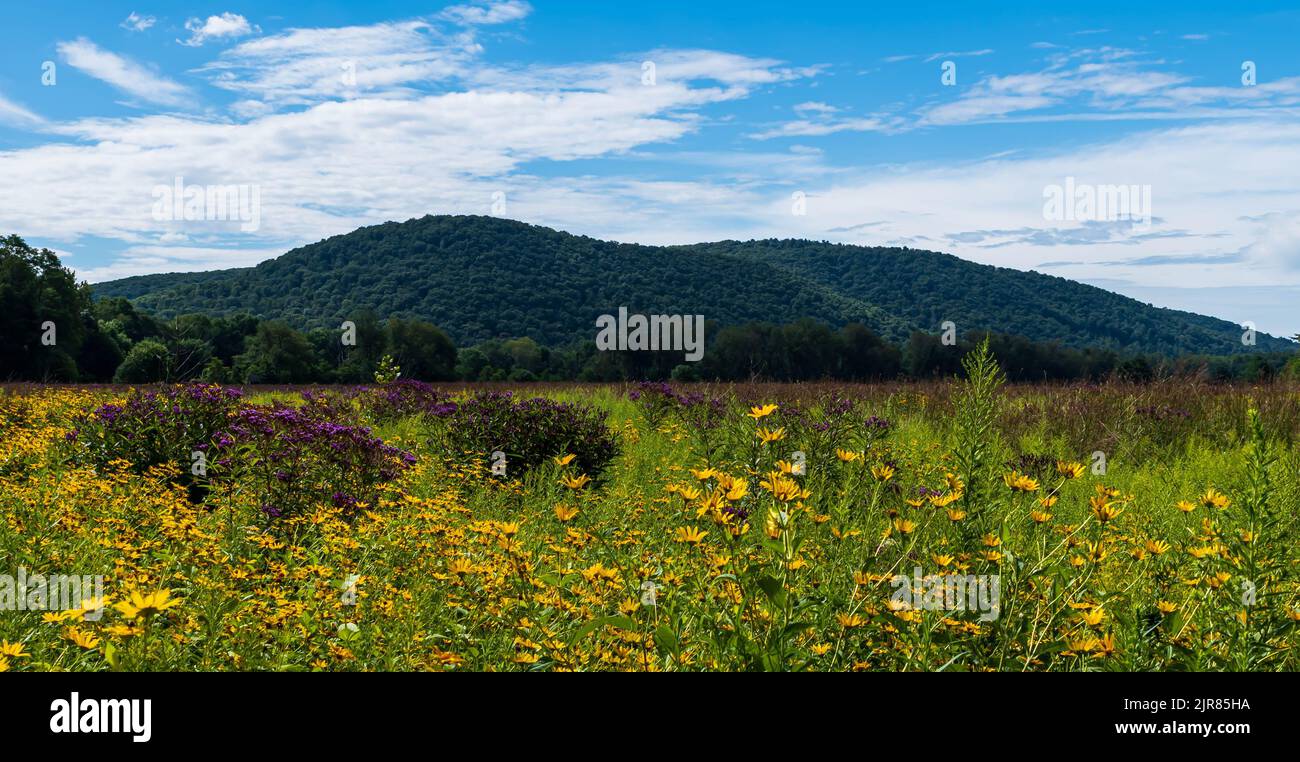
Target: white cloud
[[122, 73], [147, 259], [17, 115], [217, 27], [306, 65], [337, 164], [1081, 85], [959, 54], [484, 13], [137, 23], [814, 107], [828, 126]]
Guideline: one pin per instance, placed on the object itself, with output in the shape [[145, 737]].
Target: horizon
[[861, 126]]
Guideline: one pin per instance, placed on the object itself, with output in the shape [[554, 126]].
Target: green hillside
[[483, 277]]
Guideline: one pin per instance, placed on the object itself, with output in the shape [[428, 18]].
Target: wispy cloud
[[13, 113], [137, 23], [959, 54], [126, 75], [1093, 84], [485, 13], [306, 65], [929, 57]]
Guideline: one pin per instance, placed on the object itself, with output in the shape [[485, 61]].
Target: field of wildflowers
[[964, 525]]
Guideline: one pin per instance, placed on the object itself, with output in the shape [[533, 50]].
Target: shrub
[[297, 459], [402, 398], [153, 428], [656, 399], [529, 431]]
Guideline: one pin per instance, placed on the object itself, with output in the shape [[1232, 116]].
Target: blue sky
[[675, 122]]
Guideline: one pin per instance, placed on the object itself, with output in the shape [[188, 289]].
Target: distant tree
[[215, 372], [686, 373], [100, 353], [359, 359], [189, 357], [424, 352], [42, 328], [470, 364], [134, 324], [277, 354], [926, 356], [147, 362], [1137, 369], [864, 355]]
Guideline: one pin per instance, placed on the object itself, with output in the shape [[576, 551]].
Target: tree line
[[54, 330]]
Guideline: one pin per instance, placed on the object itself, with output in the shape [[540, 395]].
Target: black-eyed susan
[[850, 621], [1093, 617], [1070, 469], [1105, 510], [146, 605], [689, 535], [82, 638], [1157, 547], [1215, 499], [575, 482], [1019, 482]]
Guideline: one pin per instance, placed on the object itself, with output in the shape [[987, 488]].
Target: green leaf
[[621, 622], [774, 590]]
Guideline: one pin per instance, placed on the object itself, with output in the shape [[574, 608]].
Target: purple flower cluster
[[701, 412], [299, 458], [293, 456], [403, 398], [657, 400], [529, 431], [153, 427]]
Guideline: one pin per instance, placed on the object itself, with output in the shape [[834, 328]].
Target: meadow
[[951, 525]]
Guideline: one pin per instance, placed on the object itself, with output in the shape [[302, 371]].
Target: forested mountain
[[480, 278]]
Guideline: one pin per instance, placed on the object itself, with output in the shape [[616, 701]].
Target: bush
[[296, 458], [529, 432], [656, 399], [147, 362], [154, 428], [401, 399]]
